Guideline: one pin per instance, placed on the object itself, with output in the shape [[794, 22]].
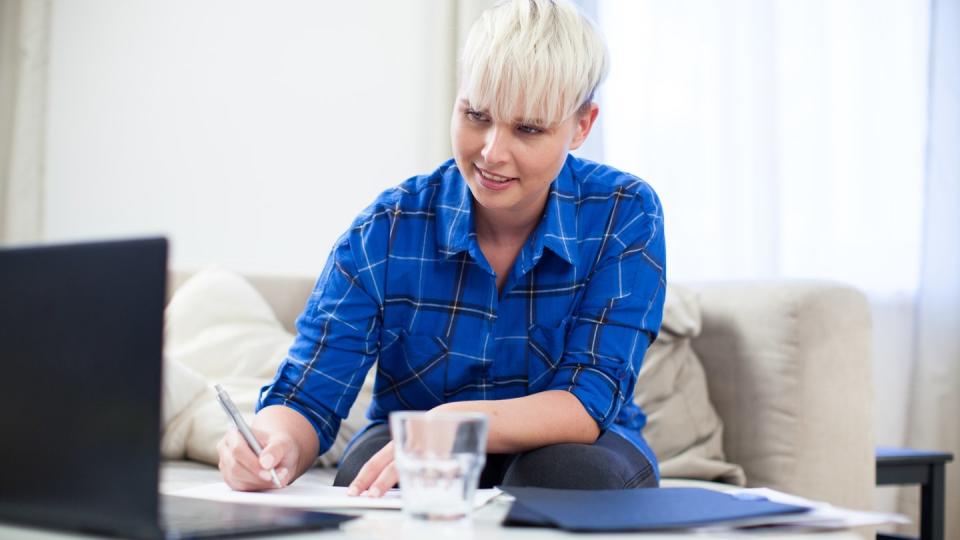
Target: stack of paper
[[820, 515]]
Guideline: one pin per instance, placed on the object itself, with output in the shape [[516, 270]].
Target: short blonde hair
[[543, 58]]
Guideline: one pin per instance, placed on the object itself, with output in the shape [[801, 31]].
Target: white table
[[391, 524], [385, 524]]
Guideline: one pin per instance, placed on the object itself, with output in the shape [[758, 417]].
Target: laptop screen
[[81, 329]]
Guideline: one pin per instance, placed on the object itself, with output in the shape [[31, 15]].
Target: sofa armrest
[[788, 367]]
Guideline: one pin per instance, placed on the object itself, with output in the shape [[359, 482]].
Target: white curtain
[[935, 400], [24, 34], [788, 140]]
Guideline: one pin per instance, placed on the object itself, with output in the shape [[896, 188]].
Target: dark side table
[[899, 466]]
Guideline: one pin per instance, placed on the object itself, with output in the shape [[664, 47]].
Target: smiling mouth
[[494, 177]]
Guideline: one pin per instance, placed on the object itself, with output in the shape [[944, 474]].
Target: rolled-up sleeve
[[620, 313], [336, 343]]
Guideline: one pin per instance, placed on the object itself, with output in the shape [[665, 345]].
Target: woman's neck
[[507, 226]]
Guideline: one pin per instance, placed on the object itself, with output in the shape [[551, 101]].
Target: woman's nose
[[495, 146]]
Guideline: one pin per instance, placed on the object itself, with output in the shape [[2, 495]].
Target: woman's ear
[[585, 122]]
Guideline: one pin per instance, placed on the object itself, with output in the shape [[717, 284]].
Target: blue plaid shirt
[[407, 289]]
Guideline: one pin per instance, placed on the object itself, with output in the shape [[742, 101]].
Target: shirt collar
[[557, 230], [454, 211]]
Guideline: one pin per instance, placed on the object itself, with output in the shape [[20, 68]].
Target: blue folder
[[642, 509]]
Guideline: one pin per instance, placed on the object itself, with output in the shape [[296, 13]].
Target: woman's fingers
[[280, 454], [372, 471], [386, 480], [239, 466]]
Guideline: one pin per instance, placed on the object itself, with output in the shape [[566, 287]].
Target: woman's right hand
[[242, 470]]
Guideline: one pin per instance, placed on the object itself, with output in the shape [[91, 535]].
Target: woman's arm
[[299, 412], [528, 422], [515, 425]]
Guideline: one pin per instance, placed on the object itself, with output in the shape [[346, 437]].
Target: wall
[[250, 133]]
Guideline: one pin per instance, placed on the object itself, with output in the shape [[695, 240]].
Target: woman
[[515, 280]]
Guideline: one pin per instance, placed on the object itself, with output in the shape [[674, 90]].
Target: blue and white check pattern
[[407, 289]]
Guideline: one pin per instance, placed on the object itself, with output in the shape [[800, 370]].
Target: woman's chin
[[496, 200]]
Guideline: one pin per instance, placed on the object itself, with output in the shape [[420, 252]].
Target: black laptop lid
[[81, 330]]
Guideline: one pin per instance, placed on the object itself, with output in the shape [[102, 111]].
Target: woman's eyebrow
[[530, 121], [465, 103]]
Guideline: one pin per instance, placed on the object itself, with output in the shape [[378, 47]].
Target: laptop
[[81, 338]]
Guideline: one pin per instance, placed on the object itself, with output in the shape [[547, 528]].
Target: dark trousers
[[610, 463]]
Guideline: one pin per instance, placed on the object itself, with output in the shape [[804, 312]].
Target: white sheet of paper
[[820, 516], [308, 495]]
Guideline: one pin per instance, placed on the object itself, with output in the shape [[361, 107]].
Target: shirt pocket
[[411, 372], [545, 347]]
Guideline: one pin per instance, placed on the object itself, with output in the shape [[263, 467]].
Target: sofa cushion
[[683, 428], [219, 329]]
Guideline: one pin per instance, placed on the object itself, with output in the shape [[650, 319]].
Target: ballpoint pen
[[242, 427]]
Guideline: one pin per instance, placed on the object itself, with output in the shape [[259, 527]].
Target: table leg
[[931, 504]]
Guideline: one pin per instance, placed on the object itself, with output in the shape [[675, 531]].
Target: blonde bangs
[[539, 59]]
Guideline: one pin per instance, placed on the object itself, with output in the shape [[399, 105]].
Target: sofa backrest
[[286, 295]]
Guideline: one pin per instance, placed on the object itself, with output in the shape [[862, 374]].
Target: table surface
[[385, 524], [392, 525], [888, 455]]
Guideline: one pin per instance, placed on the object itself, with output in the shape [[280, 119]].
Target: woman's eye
[[476, 115], [528, 129]]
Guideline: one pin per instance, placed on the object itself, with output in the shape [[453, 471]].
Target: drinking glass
[[439, 456]]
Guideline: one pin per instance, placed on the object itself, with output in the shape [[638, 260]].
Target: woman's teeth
[[494, 177]]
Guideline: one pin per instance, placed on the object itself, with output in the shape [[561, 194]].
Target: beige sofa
[[789, 370], [788, 367]]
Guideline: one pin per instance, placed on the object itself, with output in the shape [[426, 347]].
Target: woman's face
[[509, 164]]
